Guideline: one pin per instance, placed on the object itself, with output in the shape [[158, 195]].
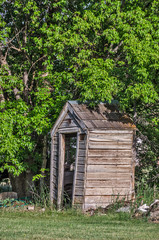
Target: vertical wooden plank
[[85, 173], [61, 169], [75, 173], [51, 170], [133, 164]]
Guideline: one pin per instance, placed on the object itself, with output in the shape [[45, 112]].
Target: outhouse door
[[67, 167]]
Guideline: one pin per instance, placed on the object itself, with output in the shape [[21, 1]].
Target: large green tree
[[52, 51]]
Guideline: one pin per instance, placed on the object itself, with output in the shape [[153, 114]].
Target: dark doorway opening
[[69, 167]]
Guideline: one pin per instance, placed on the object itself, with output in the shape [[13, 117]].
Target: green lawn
[[72, 225]]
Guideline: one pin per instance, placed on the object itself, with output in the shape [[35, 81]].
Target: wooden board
[[56, 139], [59, 120], [80, 176], [106, 191], [106, 160], [60, 169], [56, 164], [81, 160], [111, 137], [55, 145], [68, 116], [104, 131], [82, 153], [79, 183], [89, 124], [108, 124], [79, 191], [109, 153], [109, 168], [85, 115], [68, 124], [109, 175], [78, 199], [108, 183], [55, 171], [69, 130], [51, 172], [110, 145], [81, 168], [105, 199], [76, 170], [82, 145], [89, 206], [76, 116]]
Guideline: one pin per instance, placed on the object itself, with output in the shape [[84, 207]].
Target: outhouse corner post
[[60, 169]]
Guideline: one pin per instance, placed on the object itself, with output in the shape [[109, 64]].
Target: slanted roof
[[104, 116]]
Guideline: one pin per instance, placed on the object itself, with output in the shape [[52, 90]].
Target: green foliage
[[40, 175], [6, 202], [147, 169], [12, 203]]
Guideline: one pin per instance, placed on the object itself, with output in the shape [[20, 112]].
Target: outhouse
[[91, 156]]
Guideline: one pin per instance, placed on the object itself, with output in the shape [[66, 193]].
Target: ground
[[73, 225]]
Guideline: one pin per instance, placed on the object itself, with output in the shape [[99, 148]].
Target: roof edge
[[67, 108], [59, 119], [76, 116]]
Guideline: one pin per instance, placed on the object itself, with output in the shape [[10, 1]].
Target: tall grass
[[41, 197], [146, 194]]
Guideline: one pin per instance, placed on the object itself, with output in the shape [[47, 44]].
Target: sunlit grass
[[74, 225]]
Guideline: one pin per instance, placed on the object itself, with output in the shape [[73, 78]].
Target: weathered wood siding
[[69, 124], [79, 181], [109, 172], [55, 150]]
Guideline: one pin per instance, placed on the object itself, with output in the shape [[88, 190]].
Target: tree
[[26, 101], [87, 50]]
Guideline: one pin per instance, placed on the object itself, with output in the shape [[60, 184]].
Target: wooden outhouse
[[91, 156]]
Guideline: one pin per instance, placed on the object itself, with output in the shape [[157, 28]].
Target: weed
[[145, 195], [41, 198]]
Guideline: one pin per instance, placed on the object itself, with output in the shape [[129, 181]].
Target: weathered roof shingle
[[103, 116]]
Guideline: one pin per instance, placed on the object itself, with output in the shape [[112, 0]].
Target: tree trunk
[[44, 161], [21, 184]]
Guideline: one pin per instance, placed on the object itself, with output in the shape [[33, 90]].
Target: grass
[[73, 225]]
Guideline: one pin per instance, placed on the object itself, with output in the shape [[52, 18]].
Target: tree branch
[[17, 49], [35, 63], [15, 36], [2, 99], [4, 63], [116, 48]]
